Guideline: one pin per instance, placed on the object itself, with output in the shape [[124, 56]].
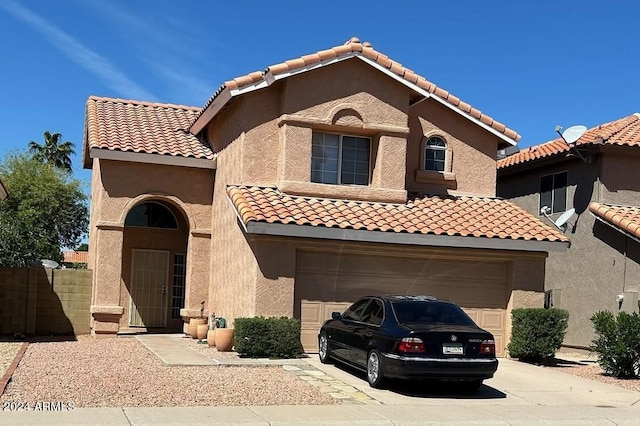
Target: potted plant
[[195, 322]]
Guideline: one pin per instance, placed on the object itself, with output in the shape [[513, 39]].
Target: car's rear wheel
[[374, 369], [323, 348]]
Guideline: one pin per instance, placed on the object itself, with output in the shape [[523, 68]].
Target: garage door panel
[[327, 282]]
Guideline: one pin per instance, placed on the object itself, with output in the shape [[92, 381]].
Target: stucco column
[[197, 278], [106, 309]]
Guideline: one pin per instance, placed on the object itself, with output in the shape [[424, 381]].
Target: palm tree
[[53, 151]]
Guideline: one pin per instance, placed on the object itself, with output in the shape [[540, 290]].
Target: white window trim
[[446, 149], [341, 135]]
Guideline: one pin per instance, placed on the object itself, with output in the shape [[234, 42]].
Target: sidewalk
[[486, 414]]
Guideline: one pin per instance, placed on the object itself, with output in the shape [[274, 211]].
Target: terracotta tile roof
[[143, 127], [625, 218], [354, 47], [428, 215], [75, 256], [625, 131]]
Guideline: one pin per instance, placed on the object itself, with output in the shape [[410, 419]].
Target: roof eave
[[227, 94], [428, 95], [357, 235], [617, 228], [142, 157]]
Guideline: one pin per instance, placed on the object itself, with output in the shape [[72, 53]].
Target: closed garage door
[[327, 282]]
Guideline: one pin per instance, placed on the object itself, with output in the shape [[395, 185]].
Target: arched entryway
[[154, 259]]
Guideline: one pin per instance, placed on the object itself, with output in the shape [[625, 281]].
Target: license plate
[[452, 349]]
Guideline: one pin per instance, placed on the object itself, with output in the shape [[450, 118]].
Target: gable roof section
[[427, 220], [624, 218], [623, 132], [116, 126], [352, 48]]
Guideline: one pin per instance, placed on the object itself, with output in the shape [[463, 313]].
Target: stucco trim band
[[106, 309], [308, 122], [110, 226], [141, 157], [201, 233], [305, 231], [361, 193]]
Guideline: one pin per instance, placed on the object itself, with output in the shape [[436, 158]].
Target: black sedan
[[409, 337]]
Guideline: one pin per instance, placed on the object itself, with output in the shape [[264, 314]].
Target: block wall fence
[[42, 302]]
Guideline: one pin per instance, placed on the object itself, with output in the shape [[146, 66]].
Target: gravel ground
[[8, 351], [119, 372], [82, 372]]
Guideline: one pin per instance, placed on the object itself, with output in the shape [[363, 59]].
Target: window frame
[[175, 219], [426, 146], [553, 190], [362, 302], [340, 158]]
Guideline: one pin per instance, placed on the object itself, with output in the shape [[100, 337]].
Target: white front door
[[149, 280]]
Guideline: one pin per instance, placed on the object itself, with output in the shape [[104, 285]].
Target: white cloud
[[79, 53], [169, 45]]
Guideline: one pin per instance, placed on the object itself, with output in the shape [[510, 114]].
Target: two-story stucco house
[[599, 177], [298, 189]]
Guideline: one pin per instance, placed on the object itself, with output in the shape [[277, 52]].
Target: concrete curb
[[12, 367]]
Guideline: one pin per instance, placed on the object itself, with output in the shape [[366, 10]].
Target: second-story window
[[435, 151], [553, 192], [340, 159]]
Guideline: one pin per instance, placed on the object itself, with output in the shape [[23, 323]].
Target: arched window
[[435, 150], [151, 215]]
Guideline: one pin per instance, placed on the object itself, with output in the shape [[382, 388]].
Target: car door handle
[[369, 333], [350, 329]]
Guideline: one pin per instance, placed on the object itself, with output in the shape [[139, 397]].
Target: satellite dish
[[573, 133], [47, 263], [564, 217]]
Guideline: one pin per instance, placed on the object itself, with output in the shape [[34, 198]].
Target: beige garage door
[[327, 282]]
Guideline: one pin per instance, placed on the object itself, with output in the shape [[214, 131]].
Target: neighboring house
[[71, 259], [599, 177], [3, 191], [296, 190]]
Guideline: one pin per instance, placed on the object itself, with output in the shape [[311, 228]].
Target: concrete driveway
[[515, 384]]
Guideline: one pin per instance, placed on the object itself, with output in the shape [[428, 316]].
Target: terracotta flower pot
[[224, 339], [201, 331], [211, 337], [193, 326]]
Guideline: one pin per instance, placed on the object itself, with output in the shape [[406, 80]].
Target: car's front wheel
[[323, 348], [374, 369]]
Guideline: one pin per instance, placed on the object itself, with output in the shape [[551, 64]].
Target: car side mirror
[[336, 315]]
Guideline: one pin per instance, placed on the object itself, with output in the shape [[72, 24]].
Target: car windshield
[[430, 312]]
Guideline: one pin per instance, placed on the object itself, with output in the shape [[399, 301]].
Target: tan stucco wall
[[601, 262], [116, 188], [274, 127], [472, 150], [264, 138]]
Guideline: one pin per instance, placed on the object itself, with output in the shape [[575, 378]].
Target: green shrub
[[617, 343], [267, 337], [537, 334]]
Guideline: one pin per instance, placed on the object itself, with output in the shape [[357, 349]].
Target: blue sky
[[528, 64]]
